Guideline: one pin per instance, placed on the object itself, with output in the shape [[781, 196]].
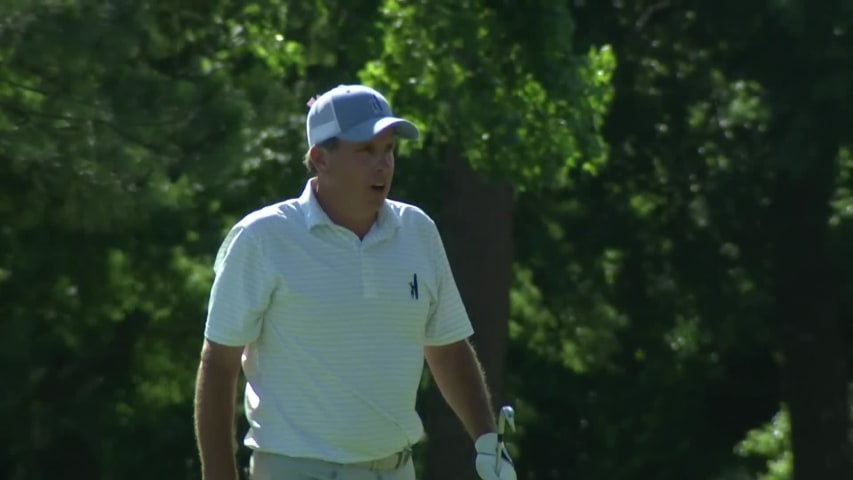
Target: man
[[329, 303]]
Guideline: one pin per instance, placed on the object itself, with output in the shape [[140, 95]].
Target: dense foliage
[[675, 178]]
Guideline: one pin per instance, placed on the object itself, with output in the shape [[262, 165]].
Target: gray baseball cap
[[355, 113]]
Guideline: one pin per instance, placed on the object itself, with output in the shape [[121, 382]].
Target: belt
[[391, 462]]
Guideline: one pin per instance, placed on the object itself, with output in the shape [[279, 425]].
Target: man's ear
[[319, 157]]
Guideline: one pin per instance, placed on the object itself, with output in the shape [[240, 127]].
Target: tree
[[807, 283], [654, 254], [694, 138], [121, 123]]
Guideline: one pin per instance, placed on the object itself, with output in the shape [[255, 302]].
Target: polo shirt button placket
[[368, 276]]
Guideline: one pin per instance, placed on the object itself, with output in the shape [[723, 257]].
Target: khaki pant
[[269, 466]]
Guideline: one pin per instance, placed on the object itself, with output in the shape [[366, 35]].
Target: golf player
[[329, 303]]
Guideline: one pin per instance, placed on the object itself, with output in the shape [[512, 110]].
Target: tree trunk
[[476, 227], [814, 372]]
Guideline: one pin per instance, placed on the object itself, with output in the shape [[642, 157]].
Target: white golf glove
[[487, 463]]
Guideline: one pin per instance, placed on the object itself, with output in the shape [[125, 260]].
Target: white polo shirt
[[334, 327]]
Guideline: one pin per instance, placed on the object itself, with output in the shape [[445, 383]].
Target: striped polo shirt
[[333, 326]]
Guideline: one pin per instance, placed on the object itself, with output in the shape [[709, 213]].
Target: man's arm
[[215, 397], [460, 378]]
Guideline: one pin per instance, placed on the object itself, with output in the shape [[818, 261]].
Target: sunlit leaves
[[842, 202], [644, 204], [685, 336], [125, 95], [259, 30], [119, 121], [467, 82], [771, 441], [581, 335]]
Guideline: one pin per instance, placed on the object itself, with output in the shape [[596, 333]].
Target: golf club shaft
[[500, 447]]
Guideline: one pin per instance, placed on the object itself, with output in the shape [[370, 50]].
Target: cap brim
[[366, 130]]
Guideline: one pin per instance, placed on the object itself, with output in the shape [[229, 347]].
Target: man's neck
[[341, 213]]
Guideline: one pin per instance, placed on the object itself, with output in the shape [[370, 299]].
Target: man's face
[[361, 172]]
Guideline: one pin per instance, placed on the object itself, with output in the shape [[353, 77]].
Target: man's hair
[[328, 145]]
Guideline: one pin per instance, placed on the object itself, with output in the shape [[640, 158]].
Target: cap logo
[[375, 105]]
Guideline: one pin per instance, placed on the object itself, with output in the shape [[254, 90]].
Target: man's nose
[[385, 161]]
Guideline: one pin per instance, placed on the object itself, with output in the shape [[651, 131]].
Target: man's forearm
[[460, 378], [214, 423]]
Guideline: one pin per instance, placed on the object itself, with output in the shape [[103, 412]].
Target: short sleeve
[[241, 291], [448, 320]]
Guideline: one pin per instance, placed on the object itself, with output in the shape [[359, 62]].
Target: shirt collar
[[311, 209], [386, 224]]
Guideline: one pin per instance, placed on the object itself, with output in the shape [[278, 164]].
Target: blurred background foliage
[[665, 189]]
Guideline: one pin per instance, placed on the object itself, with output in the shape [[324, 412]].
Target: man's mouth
[[378, 187]]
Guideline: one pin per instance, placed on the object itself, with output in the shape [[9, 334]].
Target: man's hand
[[489, 467]]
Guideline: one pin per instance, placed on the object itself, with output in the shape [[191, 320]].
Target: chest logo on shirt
[[413, 286]]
